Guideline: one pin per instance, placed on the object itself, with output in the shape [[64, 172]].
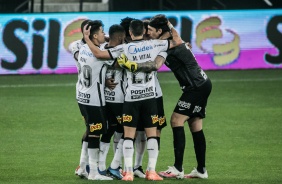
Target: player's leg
[[196, 129], [83, 163], [150, 120], [140, 146], [130, 119], [106, 138], [97, 125]]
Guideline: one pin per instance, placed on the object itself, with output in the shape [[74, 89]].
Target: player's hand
[[110, 83], [126, 64], [86, 32]]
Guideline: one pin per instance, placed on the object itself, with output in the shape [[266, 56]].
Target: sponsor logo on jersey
[[94, 127], [155, 119], [161, 120], [126, 118], [197, 109], [84, 52], [132, 49]]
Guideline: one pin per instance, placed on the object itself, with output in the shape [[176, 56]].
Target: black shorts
[[82, 112], [114, 115], [193, 102], [144, 112], [95, 118], [161, 114]]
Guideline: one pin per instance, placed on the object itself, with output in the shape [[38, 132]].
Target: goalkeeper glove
[[126, 64]]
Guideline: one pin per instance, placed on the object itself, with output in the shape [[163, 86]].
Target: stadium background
[[40, 125]]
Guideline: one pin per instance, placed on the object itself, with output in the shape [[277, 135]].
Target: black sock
[[159, 142], [179, 146], [200, 150]]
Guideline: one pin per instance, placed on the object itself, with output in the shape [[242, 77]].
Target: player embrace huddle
[[131, 103]]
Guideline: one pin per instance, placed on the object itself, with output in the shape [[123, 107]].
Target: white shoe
[[99, 177], [81, 173], [172, 172], [196, 174], [138, 172]]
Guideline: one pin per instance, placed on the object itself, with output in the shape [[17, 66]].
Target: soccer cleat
[[172, 172], [115, 173], [99, 177], [76, 169], [196, 174], [138, 172], [152, 175], [82, 173], [102, 172], [128, 176]]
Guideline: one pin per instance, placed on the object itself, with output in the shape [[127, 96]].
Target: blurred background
[[18, 6]]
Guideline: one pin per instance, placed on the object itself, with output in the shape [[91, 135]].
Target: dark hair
[[82, 26], [159, 22], [95, 27], [136, 27], [115, 29], [125, 24], [146, 23]]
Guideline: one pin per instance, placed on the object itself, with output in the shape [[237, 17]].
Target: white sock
[[140, 145], [117, 160], [128, 150], [104, 149], [93, 160], [117, 137], [153, 152], [84, 155]]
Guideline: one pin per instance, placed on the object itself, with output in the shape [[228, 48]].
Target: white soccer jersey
[[141, 85], [117, 94], [90, 90], [119, 75], [74, 48]]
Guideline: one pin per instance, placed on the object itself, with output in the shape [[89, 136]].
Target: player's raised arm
[[95, 50], [176, 39]]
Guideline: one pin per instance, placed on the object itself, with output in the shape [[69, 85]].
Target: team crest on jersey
[[127, 118], [161, 120], [119, 119], [155, 119], [97, 126]]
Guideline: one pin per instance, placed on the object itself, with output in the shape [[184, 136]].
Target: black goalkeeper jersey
[[183, 64]]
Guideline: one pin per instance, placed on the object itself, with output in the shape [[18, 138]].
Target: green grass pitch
[[41, 129]]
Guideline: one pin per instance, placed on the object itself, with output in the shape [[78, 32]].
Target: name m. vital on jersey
[[83, 97], [137, 94]]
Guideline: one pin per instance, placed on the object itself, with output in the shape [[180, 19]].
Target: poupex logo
[[72, 32], [224, 53]]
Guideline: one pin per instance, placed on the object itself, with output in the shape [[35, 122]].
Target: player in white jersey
[[114, 96], [74, 49], [90, 95], [140, 92]]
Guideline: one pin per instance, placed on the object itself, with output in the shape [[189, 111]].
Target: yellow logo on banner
[[97, 126], [224, 53]]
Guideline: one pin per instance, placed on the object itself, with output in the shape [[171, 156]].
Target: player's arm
[[176, 39], [95, 50], [144, 67]]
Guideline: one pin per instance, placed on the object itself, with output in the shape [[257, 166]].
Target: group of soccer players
[[131, 101]]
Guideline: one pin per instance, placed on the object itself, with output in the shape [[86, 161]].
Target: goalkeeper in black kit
[[191, 106]]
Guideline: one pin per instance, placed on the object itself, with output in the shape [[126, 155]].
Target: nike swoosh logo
[[181, 109]]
